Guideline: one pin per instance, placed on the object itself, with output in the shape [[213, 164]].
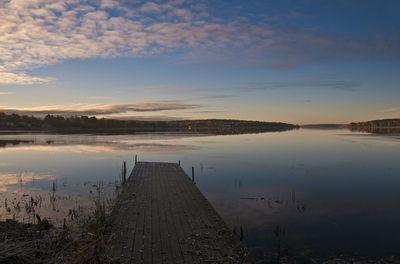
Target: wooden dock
[[162, 217]]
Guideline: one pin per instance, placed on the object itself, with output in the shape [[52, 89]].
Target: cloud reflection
[[9, 181], [92, 144]]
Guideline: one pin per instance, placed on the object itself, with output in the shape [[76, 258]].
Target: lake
[[313, 194]]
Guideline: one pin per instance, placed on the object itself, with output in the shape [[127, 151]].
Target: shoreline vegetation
[[85, 237], [381, 126], [13, 123], [69, 125], [86, 241]]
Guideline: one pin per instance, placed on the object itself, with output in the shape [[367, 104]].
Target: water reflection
[[113, 147], [5, 143], [94, 143], [29, 196], [306, 194], [378, 130]]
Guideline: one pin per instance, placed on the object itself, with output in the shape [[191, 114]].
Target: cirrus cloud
[[332, 84], [21, 78]]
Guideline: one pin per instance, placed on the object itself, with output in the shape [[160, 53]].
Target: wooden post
[[193, 174], [135, 158], [179, 162], [124, 172]]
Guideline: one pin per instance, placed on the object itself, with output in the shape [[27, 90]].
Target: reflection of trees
[[377, 130], [12, 142], [384, 126]]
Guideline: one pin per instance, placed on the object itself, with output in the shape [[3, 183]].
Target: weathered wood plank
[[162, 217], [155, 224]]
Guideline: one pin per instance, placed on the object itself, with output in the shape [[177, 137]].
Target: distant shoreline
[[205, 131], [382, 126], [85, 124], [323, 126]]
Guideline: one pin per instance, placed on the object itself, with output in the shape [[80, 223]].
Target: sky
[[300, 62]]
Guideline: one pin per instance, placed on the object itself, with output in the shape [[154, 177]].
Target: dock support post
[[124, 172], [193, 174], [135, 158]]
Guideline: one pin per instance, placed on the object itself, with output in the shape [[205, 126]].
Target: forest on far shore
[[93, 124], [382, 126]]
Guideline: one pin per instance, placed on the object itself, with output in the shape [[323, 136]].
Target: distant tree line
[[394, 122], [382, 126], [93, 124]]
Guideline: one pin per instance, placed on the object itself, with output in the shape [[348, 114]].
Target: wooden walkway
[[162, 217]]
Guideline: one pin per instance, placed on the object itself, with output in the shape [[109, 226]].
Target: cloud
[[178, 89], [44, 32], [5, 93], [147, 118], [212, 97], [37, 33], [391, 110], [21, 78], [183, 14], [98, 97], [332, 84], [387, 113], [105, 4], [150, 7], [207, 112], [102, 109]]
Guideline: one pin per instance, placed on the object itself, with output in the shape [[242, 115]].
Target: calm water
[[323, 192]]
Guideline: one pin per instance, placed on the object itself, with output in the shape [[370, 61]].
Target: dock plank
[[162, 217]]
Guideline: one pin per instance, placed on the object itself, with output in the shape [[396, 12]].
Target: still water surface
[[317, 193]]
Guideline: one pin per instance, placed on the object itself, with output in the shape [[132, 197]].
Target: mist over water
[[316, 193]]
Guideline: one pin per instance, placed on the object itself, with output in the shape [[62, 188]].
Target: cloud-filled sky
[[294, 61]]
